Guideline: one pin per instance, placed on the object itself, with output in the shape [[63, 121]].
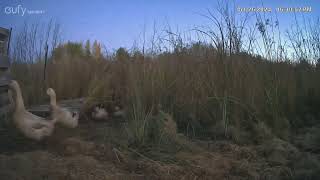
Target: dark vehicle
[[5, 77]]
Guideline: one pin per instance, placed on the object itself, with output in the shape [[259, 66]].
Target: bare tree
[[304, 39], [29, 43]]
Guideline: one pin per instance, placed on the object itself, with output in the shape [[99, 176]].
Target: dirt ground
[[94, 151]]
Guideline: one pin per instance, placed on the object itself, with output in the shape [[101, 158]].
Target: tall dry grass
[[213, 90], [203, 92]]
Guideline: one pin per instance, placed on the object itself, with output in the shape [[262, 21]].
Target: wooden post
[[45, 63], [8, 46]]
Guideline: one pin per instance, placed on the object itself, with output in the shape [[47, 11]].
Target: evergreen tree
[[88, 48], [122, 55]]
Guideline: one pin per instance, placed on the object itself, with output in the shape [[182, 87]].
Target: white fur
[[32, 126], [63, 116], [100, 113]]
